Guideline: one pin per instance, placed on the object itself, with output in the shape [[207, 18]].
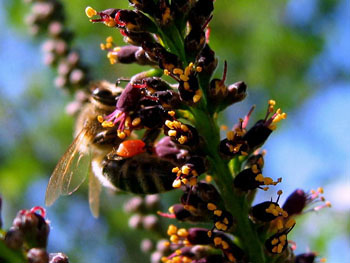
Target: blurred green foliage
[[263, 47]]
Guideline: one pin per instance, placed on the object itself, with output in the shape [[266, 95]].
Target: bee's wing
[[71, 170], [94, 193]]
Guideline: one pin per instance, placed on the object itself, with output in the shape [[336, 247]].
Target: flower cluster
[[47, 16], [180, 98], [26, 240]]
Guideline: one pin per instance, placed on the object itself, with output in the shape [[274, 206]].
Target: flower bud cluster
[[47, 16], [27, 238]]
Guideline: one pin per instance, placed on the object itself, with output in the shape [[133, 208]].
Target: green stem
[[236, 203]]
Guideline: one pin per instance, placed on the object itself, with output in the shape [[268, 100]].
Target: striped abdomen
[[141, 174]]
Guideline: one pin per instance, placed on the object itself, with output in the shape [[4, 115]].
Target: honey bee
[[92, 142], [97, 151]]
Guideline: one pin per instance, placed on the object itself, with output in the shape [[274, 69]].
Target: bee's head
[[105, 94]]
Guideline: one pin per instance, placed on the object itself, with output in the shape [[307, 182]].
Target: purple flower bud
[[146, 245], [236, 92], [134, 205], [245, 180], [58, 258], [152, 202], [33, 226], [201, 12], [135, 221], [134, 21], [257, 135], [295, 202], [305, 258], [207, 61], [37, 255], [194, 42], [263, 213], [198, 236], [14, 238], [150, 222]]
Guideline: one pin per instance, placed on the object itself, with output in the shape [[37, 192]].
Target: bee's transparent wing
[[71, 170], [94, 193]]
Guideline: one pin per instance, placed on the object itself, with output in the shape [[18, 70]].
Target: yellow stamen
[[90, 12], [136, 121], [211, 206]]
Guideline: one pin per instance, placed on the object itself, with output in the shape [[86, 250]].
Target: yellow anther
[[328, 204], [187, 243], [172, 229], [266, 188], [230, 135], [110, 22], [218, 212], [178, 252], [194, 173], [284, 214], [186, 85], [177, 124], [323, 260], [117, 49], [193, 181], [182, 232], [90, 12], [274, 241], [109, 45], [225, 245], [268, 180], [164, 259], [211, 206], [184, 181], [199, 69], [102, 46], [208, 178], [274, 249], [279, 249], [166, 72], [171, 113], [121, 134], [178, 71], [172, 133], [174, 239], [231, 258], [290, 223], [209, 233], [259, 178], [198, 96], [184, 78], [184, 128], [175, 169], [279, 192], [217, 241], [185, 170], [320, 190], [272, 102], [182, 139], [171, 210], [255, 169], [100, 118], [136, 121], [225, 221], [109, 39], [177, 183], [279, 224], [283, 238], [169, 124]]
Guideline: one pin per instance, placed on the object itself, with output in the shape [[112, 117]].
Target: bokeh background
[[294, 51]]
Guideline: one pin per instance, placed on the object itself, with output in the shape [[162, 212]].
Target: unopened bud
[[58, 258], [37, 255], [150, 222], [146, 245], [295, 202], [14, 238]]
